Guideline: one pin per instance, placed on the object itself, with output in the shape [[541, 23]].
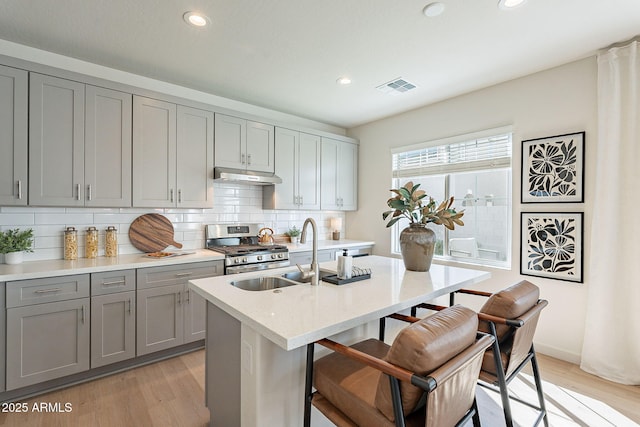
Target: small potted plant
[[294, 234], [13, 243], [417, 242]]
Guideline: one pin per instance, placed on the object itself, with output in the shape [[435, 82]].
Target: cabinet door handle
[[248, 159], [179, 298], [242, 156], [115, 282], [183, 274], [89, 192], [301, 200], [83, 314], [171, 195], [129, 305], [188, 296], [77, 191], [179, 196], [19, 189], [46, 291]]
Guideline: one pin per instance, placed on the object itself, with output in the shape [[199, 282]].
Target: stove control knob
[[244, 259], [259, 257], [236, 260], [273, 256], [280, 255]]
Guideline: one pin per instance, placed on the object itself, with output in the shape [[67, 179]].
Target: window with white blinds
[[480, 153], [476, 170]]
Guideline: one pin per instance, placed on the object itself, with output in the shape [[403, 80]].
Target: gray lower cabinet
[[304, 258], [13, 137], [113, 317], [3, 331], [168, 313], [47, 340]]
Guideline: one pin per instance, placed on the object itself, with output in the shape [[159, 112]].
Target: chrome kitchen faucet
[[314, 271]]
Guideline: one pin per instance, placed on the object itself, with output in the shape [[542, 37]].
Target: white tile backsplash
[[233, 203]]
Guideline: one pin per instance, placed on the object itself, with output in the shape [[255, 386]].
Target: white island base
[[252, 382], [257, 341]]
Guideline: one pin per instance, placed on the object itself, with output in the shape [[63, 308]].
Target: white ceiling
[[287, 54]]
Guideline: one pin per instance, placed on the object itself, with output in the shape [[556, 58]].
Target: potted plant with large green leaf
[[13, 243], [417, 241]]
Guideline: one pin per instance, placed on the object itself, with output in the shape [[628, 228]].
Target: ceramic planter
[[417, 243], [13, 257]]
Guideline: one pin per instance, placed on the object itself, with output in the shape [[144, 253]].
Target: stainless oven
[[243, 252]]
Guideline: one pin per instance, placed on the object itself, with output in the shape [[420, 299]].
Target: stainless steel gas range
[[243, 252]]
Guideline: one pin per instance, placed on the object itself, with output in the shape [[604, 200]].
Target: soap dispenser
[[345, 265]]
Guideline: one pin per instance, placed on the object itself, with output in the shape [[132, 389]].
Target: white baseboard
[[558, 353]]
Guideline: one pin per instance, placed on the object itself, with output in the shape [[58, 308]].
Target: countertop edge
[[58, 267]]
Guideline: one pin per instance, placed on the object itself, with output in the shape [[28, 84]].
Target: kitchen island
[[256, 340]]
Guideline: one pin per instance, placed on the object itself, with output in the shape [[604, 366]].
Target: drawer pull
[[47, 291], [115, 282], [183, 274]]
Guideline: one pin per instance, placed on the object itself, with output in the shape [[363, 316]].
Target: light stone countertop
[[59, 267], [328, 244], [301, 314]]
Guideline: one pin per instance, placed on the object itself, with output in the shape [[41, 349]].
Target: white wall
[[233, 203], [557, 101]]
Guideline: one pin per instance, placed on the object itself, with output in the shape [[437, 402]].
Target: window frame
[[447, 175]]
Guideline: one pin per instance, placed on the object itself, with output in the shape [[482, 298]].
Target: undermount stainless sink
[[266, 283], [263, 283], [298, 276]]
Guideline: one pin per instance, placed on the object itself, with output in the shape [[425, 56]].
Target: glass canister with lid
[[111, 242], [91, 244], [70, 243]]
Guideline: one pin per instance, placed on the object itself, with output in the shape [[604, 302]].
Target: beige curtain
[[612, 336]]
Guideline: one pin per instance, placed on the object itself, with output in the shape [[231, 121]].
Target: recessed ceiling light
[[433, 9], [196, 19], [510, 4], [343, 81]]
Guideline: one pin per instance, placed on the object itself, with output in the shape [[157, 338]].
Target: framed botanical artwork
[[553, 169], [551, 245]]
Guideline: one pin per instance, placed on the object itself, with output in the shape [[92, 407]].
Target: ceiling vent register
[[396, 86]]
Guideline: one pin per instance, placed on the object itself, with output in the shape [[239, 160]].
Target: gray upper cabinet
[[195, 158], [243, 144], [298, 164], [107, 148], [79, 144], [154, 153], [172, 155], [56, 141], [13, 137], [339, 175]]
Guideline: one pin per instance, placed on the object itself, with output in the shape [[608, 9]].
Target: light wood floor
[[171, 393]]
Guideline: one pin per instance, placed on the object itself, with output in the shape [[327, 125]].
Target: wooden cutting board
[[152, 233]]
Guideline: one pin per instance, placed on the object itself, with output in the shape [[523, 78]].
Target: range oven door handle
[[256, 267]]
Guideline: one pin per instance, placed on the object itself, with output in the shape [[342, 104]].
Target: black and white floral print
[[552, 169], [552, 245]]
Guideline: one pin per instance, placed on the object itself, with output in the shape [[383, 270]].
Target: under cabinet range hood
[[245, 177]]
